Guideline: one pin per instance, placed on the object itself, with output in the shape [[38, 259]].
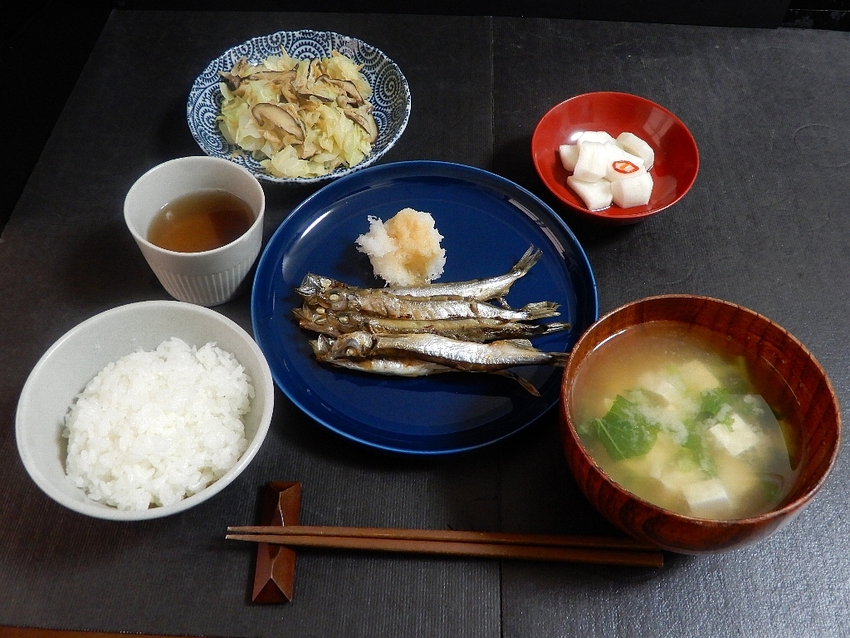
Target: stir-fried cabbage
[[299, 118]]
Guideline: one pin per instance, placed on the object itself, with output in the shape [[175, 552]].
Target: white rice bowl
[[142, 462]]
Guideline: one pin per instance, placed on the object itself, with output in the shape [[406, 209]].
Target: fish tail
[[559, 359], [531, 257], [321, 347], [541, 309]]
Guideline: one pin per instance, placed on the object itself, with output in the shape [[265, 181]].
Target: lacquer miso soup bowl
[[712, 446]]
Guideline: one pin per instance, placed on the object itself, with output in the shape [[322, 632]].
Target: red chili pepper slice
[[625, 167]]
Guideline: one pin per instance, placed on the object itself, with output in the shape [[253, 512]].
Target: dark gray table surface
[[766, 225]]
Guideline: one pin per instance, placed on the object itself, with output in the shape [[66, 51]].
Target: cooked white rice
[[157, 426]]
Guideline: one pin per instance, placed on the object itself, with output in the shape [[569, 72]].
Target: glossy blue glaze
[[487, 222]]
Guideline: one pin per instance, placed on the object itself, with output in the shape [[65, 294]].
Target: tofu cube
[[736, 438], [569, 155], [660, 386], [738, 477], [675, 479], [654, 463], [592, 162], [595, 195], [706, 498], [632, 191], [637, 146], [698, 377]]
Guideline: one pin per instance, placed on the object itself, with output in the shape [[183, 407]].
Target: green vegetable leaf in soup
[[712, 401], [626, 430]]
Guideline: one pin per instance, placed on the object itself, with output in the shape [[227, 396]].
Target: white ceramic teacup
[[205, 278]]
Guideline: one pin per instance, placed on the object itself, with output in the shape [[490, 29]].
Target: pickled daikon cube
[[632, 191], [592, 162], [569, 155], [598, 161], [635, 145], [595, 195], [603, 137]]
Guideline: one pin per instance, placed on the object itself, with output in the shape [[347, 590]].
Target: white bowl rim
[[99, 510]]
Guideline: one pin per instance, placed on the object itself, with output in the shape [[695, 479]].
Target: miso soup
[[673, 414]]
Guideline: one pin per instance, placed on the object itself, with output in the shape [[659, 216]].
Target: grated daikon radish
[[405, 250]]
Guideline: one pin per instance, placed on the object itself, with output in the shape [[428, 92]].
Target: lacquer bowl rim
[[751, 529]]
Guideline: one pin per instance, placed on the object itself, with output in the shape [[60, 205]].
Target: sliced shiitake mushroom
[[321, 88], [271, 114], [349, 94], [364, 118], [231, 80]]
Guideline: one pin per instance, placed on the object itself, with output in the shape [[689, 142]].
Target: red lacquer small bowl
[[763, 344], [676, 155]]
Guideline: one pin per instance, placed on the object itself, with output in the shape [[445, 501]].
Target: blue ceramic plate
[[487, 222], [390, 94]]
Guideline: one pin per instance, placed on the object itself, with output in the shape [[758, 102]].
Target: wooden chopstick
[[578, 549], [444, 535]]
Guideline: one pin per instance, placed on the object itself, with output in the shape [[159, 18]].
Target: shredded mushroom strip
[[300, 118]]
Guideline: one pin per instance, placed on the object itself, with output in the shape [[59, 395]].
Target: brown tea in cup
[[200, 221]]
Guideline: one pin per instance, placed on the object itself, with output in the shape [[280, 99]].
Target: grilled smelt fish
[[388, 366], [454, 353], [413, 331], [478, 329], [343, 352], [479, 289], [420, 309]]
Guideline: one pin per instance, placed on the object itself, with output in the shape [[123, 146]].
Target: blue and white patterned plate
[[390, 95]]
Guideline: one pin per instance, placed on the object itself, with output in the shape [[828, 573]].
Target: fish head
[[352, 345]]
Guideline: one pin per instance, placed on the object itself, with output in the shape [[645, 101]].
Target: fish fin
[[525, 383], [320, 346], [519, 343], [556, 326]]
